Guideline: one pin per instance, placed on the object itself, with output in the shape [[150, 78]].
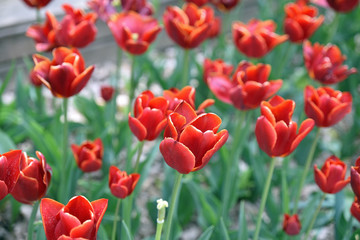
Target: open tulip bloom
[[88, 155], [9, 171]]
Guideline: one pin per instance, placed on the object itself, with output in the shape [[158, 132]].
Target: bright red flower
[[142, 7], [78, 219], [65, 75], [89, 155], [198, 3], [9, 171], [301, 21], [325, 63], [248, 88], [275, 131], [103, 8], [44, 35], [37, 3], [291, 224], [215, 27], [107, 92], [326, 105], [133, 32], [225, 5], [191, 140], [77, 28], [355, 209], [343, 5], [34, 179], [256, 38], [331, 177], [216, 67], [149, 116], [355, 178], [122, 185], [189, 26]]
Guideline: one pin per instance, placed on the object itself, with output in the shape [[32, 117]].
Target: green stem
[[348, 230], [32, 220], [159, 227], [306, 169], [315, 216], [113, 235], [38, 15], [132, 82], [185, 79], [264, 198], [140, 149], [116, 84], [174, 196], [40, 100], [63, 194]]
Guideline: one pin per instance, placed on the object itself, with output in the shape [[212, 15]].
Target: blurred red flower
[[215, 27], [188, 26], [291, 224], [65, 75], [107, 92], [256, 38], [37, 3], [275, 131], [355, 178], [9, 171], [122, 185], [103, 8], [325, 63], [191, 140], [225, 5], [343, 5], [142, 7], [78, 219], [326, 105], [301, 21], [355, 209], [216, 67], [331, 177], [198, 3], [89, 155], [247, 89], [149, 116], [133, 32]]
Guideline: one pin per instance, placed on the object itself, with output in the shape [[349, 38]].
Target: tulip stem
[[264, 198], [132, 81], [32, 220], [306, 169], [315, 216], [140, 149], [174, 197], [38, 16], [113, 235], [116, 86], [159, 227], [65, 164], [186, 60]]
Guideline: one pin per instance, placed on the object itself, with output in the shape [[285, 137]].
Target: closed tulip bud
[[37, 3], [343, 6], [9, 171], [89, 155], [107, 93], [120, 183], [291, 224], [225, 5]]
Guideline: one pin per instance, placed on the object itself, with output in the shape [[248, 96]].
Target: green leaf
[[207, 233], [6, 143], [127, 231], [242, 232], [7, 78], [224, 231]]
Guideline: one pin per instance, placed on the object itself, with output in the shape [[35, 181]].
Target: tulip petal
[[220, 85], [265, 135], [100, 207], [81, 80], [320, 179], [3, 190], [49, 209], [137, 128], [305, 127]]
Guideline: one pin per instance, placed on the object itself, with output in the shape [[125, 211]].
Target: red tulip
[[103, 8], [301, 21], [77, 29], [9, 171], [44, 35], [216, 67], [88, 155], [189, 26], [331, 177], [275, 131], [326, 106], [191, 140], [122, 185], [149, 116], [325, 63], [215, 27], [291, 224], [133, 32], [198, 3], [343, 5], [107, 92], [355, 209], [248, 87], [34, 179], [78, 219], [65, 75], [225, 5], [355, 178], [256, 38], [142, 7], [37, 3]]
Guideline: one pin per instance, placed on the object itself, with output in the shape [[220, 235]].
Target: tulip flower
[[355, 209], [9, 171], [325, 63], [88, 155], [103, 8], [248, 88], [133, 32], [216, 67], [275, 131], [77, 29], [326, 106], [149, 116], [215, 28], [331, 177], [256, 38], [44, 35], [65, 75], [78, 219], [189, 26], [107, 92], [225, 5], [198, 3], [37, 3], [355, 178], [34, 179], [291, 224], [342, 5], [301, 21], [191, 140], [120, 183], [143, 7]]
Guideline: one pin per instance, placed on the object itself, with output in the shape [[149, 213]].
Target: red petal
[[265, 135], [49, 210]]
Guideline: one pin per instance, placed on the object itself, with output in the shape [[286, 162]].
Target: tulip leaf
[[127, 231], [6, 143], [7, 78], [224, 231], [206, 235], [242, 228]]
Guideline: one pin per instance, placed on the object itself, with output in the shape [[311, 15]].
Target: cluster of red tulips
[[191, 136]]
